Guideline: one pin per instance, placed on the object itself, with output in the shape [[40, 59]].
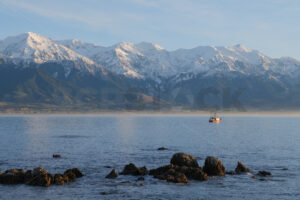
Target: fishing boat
[[215, 119]]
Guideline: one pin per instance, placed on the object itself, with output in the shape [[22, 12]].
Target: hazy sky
[[270, 26]]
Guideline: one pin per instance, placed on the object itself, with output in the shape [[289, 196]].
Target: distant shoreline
[[156, 113]]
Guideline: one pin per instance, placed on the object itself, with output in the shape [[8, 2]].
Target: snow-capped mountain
[[34, 48], [148, 60], [145, 60], [82, 48], [35, 68]]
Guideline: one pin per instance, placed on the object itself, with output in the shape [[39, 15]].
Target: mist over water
[[91, 143]]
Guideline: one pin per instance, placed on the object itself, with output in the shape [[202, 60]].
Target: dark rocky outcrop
[[169, 174], [182, 168], [240, 168], [39, 177], [75, 171], [182, 159], [165, 172], [60, 179], [131, 169], [264, 173], [113, 174], [162, 149], [13, 176], [56, 156], [71, 177], [213, 167]]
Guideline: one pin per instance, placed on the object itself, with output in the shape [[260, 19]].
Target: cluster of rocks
[[38, 177], [183, 167]]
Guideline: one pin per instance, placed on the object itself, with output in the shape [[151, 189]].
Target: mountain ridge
[[142, 76], [144, 60]]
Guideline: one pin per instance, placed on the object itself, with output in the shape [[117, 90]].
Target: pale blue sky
[[270, 26]]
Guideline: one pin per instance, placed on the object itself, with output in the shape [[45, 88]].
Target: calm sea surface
[[92, 142]]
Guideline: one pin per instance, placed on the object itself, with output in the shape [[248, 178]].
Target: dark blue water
[[92, 142]]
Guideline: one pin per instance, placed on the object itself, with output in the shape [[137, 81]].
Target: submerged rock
[[113, 174], [13, 176], [264, 173], [162, 149], [131, 169], [240, 168], [39, 177], [141, 179], [75, 171], [213, 167], [56, 156], [182, 159]]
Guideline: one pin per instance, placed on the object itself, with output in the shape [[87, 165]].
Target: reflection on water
[[93, 142], [126, 128]]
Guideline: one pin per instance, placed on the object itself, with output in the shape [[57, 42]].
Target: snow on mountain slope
[[140, 60], [212, 59], [34, 48], [30, 47], [80, 47], [147, 60]]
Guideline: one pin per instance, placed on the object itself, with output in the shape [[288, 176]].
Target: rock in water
[[213, 167], [75, 171], [162, 149], [182, 159], [196, 174], [131, 169], [113, 174], [59, 179], [240, 168], [56, 156], [70, 176], [39, 177], [170, 172], [13, 176], [173, 176], [264, 173]]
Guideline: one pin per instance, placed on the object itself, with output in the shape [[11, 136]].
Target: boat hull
[[214, 120]]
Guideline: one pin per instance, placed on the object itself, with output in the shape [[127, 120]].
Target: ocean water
[[91, 143]]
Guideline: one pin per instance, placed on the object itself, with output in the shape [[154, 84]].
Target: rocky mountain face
[[37, 70]]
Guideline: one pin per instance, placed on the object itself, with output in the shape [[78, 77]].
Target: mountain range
[[40, 73]]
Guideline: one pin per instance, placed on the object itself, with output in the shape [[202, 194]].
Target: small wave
[[71, 136]]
